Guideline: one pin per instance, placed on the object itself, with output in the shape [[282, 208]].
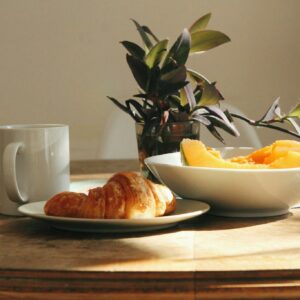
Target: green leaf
[[134, 49], [215, 133], [210, 95], [153, 80], [202, 119], [293, 122], [207, 39], [197, 77], [197, 94], [156, 53], [141, 95], [200, 24], [139, 71], [220, 119], [174, 102], [126, 109], [176, 75], [138, 107], [222, 124], [228, 115], [187, 96], [273, 113], [147, 30], [183, 97], [179, 52], [143, 35], [166, 88], [117, 103], [295, 112]]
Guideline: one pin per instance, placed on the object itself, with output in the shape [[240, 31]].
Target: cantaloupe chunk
[[281, 148], [290, 159], [269, 154], [196, 154], [281, 154], [260, 155]]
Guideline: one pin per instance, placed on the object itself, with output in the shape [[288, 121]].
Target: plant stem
[[257, 124]]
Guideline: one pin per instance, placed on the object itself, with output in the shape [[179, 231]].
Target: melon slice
[[281, 154], [258, 157], [196, 154], [290, 159], [280, 149]]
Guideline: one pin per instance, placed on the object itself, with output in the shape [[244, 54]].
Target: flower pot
[[163, 139]]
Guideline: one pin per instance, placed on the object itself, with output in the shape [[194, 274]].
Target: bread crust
[[126, 195]]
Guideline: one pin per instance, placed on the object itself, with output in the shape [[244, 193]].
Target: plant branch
[[257, 124]]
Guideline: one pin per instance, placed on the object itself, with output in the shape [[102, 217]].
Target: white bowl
[[230, 192]]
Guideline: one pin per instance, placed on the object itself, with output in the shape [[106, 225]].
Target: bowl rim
[[210, 169]]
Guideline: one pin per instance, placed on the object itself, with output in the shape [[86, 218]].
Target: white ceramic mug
[[34, 164]]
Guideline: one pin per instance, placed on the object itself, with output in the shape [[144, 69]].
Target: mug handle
[[9, 173]]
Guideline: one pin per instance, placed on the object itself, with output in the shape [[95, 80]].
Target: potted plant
[[174, 100]]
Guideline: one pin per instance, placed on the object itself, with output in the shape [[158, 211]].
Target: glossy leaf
[[141, 95], [175, 103], [153, 79], [156, 53], [207, 39], [197, 77], [202, 119], [179, 52], [210, 95], [294, 124], [117, 103], [187, 96], [167, 88], [198, 95], [295, 112], [216, 112], [272, 113], [138, 107], [215, 133], [139, 71], [134, 49], [143, 34], [228, 115], [200, 24], [176, 75], [147, 30], [217, 122], [124, 108]]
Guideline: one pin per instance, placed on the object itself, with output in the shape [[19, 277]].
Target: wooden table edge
[[281, 284]]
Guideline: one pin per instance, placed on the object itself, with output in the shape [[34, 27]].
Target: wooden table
[[206, 258]]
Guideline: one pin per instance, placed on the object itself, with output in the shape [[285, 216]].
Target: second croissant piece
[[125, 196]]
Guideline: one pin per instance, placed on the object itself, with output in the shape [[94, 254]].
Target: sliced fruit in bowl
[[281, 154], [241, 186]]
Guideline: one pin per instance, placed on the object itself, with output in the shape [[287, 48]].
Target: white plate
[[186, 209]]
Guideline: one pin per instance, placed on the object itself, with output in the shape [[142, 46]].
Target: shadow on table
[[31, 244], [211, 222], [44, 246], [27, 226]]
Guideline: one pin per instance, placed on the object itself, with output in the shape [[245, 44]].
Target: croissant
[[125, 196]]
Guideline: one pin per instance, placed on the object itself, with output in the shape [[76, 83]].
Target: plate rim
[[189, 215]]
